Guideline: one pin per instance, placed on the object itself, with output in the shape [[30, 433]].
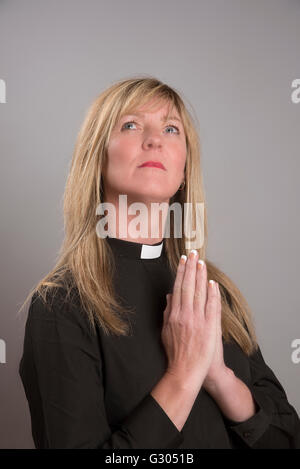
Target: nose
[[152, 140]]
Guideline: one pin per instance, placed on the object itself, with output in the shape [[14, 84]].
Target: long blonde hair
[[85, 260]]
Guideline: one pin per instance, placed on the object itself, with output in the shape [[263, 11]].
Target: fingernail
[[183, 259], [200, 264], [212, 284], [194, 252]]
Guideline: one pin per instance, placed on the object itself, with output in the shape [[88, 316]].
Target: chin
[[149, 195]]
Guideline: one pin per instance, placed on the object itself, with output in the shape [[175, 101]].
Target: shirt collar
[[136, 250]]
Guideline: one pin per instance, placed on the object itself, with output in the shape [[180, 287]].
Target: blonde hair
[[85, 260]]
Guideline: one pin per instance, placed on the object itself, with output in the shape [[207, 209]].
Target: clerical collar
[[136, 250]]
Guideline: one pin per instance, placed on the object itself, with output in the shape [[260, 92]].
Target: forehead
[[164, 113], [160, 107]]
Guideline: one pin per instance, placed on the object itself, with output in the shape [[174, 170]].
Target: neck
[[146, 225]]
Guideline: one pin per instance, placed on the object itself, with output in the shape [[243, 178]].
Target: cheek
[[179, 159], [121, 152]]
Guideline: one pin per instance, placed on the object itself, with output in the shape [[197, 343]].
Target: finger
[[212, 301], [167, 309], [176, 296], [188, 282], [219, 309], [200, 296]]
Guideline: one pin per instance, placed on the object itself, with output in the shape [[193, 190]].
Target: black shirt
[[87, 391]]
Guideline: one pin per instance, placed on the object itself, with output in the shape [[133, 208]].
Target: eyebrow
[[164, 118]]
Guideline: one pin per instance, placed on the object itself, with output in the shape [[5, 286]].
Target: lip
[[155, 164]]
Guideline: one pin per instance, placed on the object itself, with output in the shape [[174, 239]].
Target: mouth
[[153, 164]]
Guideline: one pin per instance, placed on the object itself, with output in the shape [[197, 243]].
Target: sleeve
[[61, 371], [276, 423]]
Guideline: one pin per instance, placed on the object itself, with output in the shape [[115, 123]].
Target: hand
[[189, 329], [217, 367]]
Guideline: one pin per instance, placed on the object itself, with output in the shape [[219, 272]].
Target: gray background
[[233, 62]]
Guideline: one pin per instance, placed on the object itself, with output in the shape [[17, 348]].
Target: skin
[[134, 143]]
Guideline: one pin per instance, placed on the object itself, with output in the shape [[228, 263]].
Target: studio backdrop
[[236, 65]]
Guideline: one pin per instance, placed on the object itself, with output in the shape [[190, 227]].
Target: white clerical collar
[[149, 251], [136, 250]]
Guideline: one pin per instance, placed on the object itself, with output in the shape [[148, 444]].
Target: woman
[[138, 341]]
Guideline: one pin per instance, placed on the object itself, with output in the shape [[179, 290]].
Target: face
[[140, 137]]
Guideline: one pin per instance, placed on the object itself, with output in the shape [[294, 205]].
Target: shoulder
[[51, 302], [58, 307], [57, 330]]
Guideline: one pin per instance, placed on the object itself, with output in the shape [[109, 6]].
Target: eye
[[174, 126], [133, 122], [130, 122]]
